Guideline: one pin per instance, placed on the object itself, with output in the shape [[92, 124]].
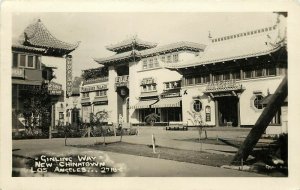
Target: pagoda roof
[[177, 46], [128, 43], [118, 57], [36, 35], [239, 46]]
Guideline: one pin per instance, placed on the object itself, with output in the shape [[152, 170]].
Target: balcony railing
[[226, 85], [95, 80], [122, 81]]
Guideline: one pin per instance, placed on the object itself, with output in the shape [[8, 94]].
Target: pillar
[[68, 75], [238, 111], [112, 95], [216, 113]]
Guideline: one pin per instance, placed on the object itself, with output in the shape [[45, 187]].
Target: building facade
[[31, 77], [137, 82], [227, 84]]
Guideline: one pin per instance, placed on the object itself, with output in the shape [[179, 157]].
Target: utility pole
[[262, 123]]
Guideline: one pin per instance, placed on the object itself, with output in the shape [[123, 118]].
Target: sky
[[97, 30]]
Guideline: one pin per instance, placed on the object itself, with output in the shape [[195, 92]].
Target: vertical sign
[[207, 113], [69, 75]]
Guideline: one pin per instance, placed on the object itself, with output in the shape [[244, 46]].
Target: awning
[[167, 102], [26, 82], [85, 102], [100, 100], [143, 104]]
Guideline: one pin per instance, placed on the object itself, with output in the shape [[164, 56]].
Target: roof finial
[[209, 35]]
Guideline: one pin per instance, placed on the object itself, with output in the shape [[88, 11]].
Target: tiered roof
[[178, 46], [129, 44], [36, 35], [119, 57], [239, 46]]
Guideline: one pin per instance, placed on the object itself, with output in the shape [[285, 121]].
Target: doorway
[[228, 111]]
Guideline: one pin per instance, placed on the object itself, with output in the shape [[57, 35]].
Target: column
[[238, 112], [216, 113], [68, 75], [112, 95]]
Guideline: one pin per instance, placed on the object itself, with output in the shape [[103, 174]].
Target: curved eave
[[120, 48], [165, 51], [108, 61], [197, 63]]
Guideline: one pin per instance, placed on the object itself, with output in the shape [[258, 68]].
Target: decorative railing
[[95, 80], [122, 81], [225, 85]]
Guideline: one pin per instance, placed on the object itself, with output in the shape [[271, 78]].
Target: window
[[206, 79], [85, 95], [198, 80], [61, 115], [169, 59], [257, 101], [163, 58], [22, 60], [259, 73], [167, 85], [30, 61], [247, 74], [144, 88], [236, 75], [197, 106], [150, 63], [144, 64], [156, 62], [271, 71], [15, 60], [149, 88], [38, 62], [226, 76], [175, 58], [190, 81], [218, 77], [101, 93]]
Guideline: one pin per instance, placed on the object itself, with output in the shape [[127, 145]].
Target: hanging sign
[[69, 75]]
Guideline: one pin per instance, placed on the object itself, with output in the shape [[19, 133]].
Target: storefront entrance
[[228, 111]]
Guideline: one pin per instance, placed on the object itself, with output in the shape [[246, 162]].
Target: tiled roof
[[166, 48], [238, 48], [37, 35], [174, 47], [129, 42], [117, 57], [16, 46]]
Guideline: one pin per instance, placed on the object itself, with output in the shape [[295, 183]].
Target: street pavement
[[137, 165]]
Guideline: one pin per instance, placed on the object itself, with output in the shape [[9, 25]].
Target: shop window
[[226, 76], [247, 74], [190, 81], [259, 73], [198, 80], [271, 71], [257, 101], [206, 79], [197, 105]]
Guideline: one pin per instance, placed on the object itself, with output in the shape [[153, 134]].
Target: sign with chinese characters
[[148, 81], [54, 88], [69, 75], [223, 86], [93, 88], [18, 73]]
